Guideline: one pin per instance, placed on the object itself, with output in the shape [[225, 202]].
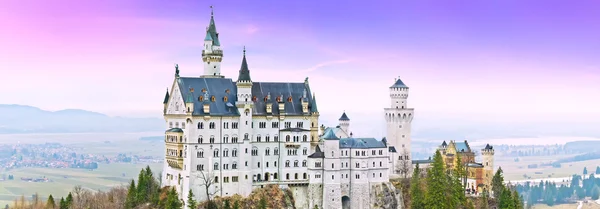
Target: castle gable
[[361, 143], [175, 102]]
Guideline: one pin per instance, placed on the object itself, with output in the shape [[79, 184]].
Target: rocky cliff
[[386, 196]]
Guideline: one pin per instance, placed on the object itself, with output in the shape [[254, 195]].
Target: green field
[[515, 170], [63, 180]]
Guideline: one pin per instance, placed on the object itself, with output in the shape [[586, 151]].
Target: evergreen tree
[[484, 204], [435, 198], [69, 200], [456, 181], [130, 200], [172, 200], [516, 200], [416, 191], [262, 204], [142, 188], [236, 205], [62, 204], [595, 192], [505, 200], [497, 184], [597, 169], [191, 201], [227, 205], [50, 203]]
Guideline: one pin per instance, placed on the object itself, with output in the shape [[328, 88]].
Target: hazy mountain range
[[27, 119]]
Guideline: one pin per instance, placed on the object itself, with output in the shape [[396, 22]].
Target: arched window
[[304, 163], [216, 166], [296, 176], [296, 163], [275, 176], [225, 152], [287, 163], [267, 151], [234, 165], [234, 153], [200, 140], [305, 151], [287, 138], [287, 176], [304, 138], [276, 151], [304, 176], [200, 125], [200, 153], [216, 153]]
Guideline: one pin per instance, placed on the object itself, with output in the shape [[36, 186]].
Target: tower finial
[[244, 50], [211, 11]]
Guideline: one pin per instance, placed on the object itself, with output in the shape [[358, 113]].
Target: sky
[[498, 60]]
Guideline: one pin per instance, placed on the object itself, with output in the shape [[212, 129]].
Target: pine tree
[[142, 188], [69, 200], [50, 203], [416, 191], [517, 203], [435, 197], [262, 204], [227, 205], [458, 191], [191, 201], [595, 192], [497, 183], [63, 204], [172, 200], [236, 205], [597, 169], [505, 200], [130, 200]]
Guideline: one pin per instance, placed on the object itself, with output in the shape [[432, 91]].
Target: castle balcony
[[212, 53], [175, 162], [294, 145]]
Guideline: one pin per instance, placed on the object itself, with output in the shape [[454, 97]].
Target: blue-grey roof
[[361, 143], [313, 107], [344, 117], [212, 31], [261, 90], [475, 165], [244, 74], [391, 149], [215, 87], [329, 135], [488, 147], [218, 87], [166, 97], [399, 84], [175, 130], [317, 154], [461, 146], [428, 161], [208, 36]]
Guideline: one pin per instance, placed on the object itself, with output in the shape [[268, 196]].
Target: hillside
[[28, 119]]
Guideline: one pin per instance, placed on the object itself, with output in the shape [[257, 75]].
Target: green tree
[[172, 200], [227, 205], [517, 201], [505, 200], [191, 201], [142, 188], [50, 203], [457, 196], [435, 197], [484, 200], [236, 205], [497, 184], [69, 200], [63, 204], [130, 200], [262, 204], [585, 172], [595, 192], [417, 196], [316, 207], [211, 205]]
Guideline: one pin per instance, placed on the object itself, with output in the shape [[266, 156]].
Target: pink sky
[[117, 57]]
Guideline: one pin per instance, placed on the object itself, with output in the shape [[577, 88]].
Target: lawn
[[515, 170]]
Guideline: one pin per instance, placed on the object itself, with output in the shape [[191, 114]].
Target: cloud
[[251, 29]]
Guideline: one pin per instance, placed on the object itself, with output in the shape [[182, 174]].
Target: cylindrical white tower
[[399, 118]]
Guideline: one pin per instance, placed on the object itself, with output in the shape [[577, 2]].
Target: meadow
[[65, 179], [516, 170]]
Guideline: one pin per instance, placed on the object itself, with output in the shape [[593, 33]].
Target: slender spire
[[211, 11], [313, 107], [244, 72], [166, 97]]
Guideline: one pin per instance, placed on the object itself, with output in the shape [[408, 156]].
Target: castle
[[227, 137], [478, 175]]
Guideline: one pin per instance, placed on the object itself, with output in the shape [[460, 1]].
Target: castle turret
[[399, 118], [212, 55], [345, 123], [166, 102], [244, 105], [487, 154]]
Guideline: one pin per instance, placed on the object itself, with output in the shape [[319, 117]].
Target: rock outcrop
[[386, 196]]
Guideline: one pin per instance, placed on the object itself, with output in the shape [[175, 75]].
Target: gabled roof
[[361, 143], [244, 74], [329, 135], [317, 154], [462, 146], [344, 117], [399, 84], [392, 149], [166, 97], [216, 87]]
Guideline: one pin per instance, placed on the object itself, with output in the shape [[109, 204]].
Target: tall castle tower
[[345, 123], [487, 155], [212, 53], [399, 117]]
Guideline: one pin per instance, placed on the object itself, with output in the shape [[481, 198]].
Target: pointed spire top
[[244, 71], [211, 11], [344, 117], [166, 100], [244, 51]]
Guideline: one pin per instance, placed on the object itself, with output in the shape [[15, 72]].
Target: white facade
[[227, 137], [399, 119]]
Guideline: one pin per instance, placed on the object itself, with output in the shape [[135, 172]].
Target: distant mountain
[[28, 119]]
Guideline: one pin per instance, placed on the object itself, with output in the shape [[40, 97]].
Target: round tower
[[212, 55], [487, 154], [345, 123], [398, 119]]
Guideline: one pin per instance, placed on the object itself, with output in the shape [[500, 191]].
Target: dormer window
[[225, 99], [290, 99], [266, 98], [212, 98], [200, 98], [254, 99], [203, 90], [227, 90], [278, 99]]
